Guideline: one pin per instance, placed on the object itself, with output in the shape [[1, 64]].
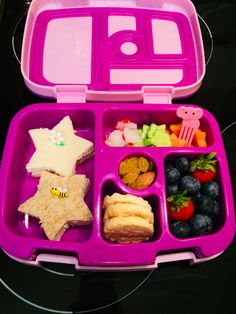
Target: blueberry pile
[[203, 196]]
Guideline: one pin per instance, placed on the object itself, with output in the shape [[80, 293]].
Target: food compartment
[[22, 185], [195, 194], [137, 171], [138, 126], [110, 188]]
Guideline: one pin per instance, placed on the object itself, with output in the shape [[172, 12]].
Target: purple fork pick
[[190, 124]]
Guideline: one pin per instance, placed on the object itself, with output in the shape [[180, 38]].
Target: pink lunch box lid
[[112, 50]]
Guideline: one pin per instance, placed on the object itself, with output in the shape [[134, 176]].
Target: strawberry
[[204, 175], [203, 168], [180, 207]]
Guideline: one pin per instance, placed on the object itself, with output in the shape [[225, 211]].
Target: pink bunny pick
[[190, 124]]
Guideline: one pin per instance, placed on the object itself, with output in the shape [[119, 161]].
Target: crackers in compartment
[[127, 218], [59, 203], [58, 150]]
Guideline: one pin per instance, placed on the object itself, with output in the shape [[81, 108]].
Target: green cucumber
[[160, 139], [152, 130], [146, 142], [144, 131]]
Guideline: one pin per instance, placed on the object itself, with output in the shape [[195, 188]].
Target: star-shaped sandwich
[[58, 150], [59, 203]]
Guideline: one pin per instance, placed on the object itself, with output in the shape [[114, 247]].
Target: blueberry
[[195, 197], [168, 166], [211, 189], [200, 224], [180, 229], [172, 189], [205, 205], [172, 175], [216, 209], [182, 164], [190, 184]]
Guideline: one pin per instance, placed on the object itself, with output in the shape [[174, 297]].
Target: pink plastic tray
[[147, 52]]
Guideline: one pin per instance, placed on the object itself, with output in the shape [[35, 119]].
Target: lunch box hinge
[[158, 94], [70, 93]]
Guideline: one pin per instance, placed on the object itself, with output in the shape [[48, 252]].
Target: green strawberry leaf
[[184, 192], [170, 199], [211, 156], [192, 167], [210, 167], [177, 201], [213, 162], [204, 162]]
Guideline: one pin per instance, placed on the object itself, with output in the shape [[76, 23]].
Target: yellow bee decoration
[[59, 192]]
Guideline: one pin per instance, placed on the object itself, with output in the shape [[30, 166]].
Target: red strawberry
[[204, 175], [180, 207], [203, 168]]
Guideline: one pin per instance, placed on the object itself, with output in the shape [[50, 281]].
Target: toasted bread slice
[[58, 150], [59, 211]]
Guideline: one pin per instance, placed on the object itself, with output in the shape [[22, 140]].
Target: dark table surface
[[173, 288]]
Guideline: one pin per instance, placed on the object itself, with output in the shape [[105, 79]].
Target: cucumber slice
[[152, 130], [139, 144], [160, 139], [146, 142], [144, 131]]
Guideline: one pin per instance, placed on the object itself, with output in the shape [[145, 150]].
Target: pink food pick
[[190, 123]]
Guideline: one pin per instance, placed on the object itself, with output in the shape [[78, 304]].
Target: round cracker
[[125, 198], [126, 210], [128, 229]]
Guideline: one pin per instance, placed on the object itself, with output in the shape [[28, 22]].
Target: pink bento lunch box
[[103, 61]]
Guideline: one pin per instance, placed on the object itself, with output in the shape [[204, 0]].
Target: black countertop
[[172, 288]]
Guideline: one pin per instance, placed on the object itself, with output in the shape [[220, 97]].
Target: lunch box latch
[[70, 93], [72, 260], [157, 94]]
